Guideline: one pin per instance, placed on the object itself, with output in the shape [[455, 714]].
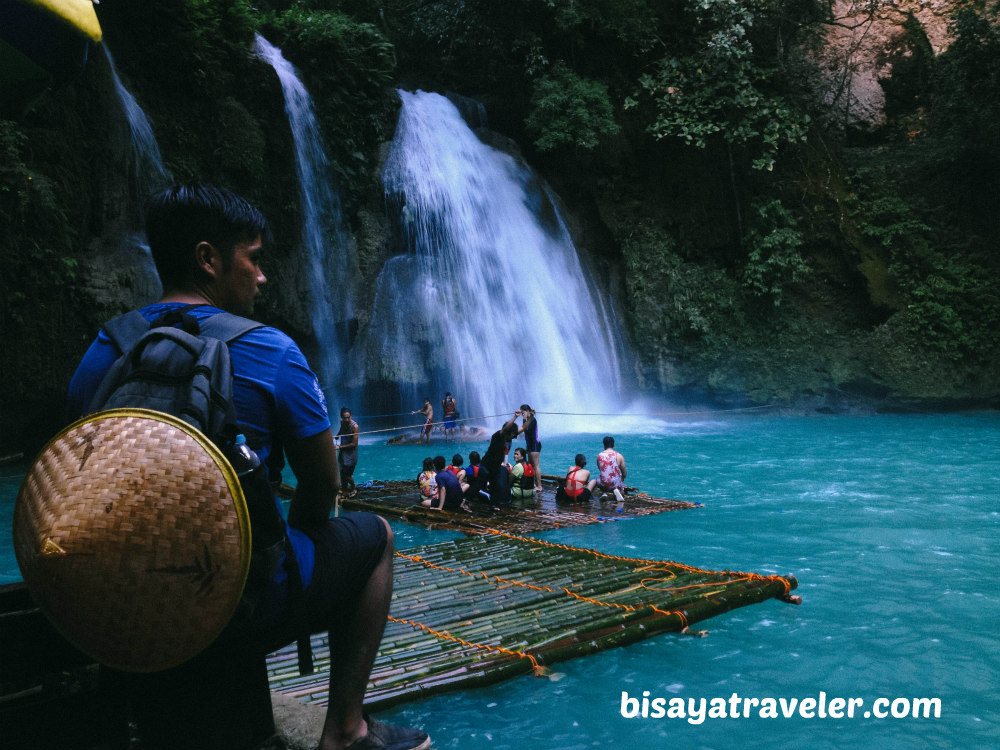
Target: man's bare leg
[[353, 648]]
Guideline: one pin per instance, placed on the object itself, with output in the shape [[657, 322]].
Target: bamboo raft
[[400, 500], [490, 606]]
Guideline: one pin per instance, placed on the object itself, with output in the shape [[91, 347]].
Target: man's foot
[[382, 736]]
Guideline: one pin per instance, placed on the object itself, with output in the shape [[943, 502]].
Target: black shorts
[[348, 549]]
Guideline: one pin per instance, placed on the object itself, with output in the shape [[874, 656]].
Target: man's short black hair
[[439, 463], [180, 217], [474, 458], [456, 460], [609, 442]]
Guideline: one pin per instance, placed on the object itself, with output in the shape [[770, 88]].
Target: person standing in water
[[347, 451], [450, 409], [532, 445], [428, 412]]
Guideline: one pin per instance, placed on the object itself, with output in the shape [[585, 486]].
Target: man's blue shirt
[[277, 396]]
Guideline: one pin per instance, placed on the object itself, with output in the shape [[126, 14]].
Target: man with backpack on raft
[[207, 243]]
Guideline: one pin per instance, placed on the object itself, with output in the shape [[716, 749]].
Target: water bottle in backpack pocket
[[268, 527]]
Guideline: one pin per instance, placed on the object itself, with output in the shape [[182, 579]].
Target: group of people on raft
[[491, 478]]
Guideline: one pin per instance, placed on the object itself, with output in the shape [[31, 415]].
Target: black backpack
[[182, 367]]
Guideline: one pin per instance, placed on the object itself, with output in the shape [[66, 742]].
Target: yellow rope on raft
[[590, 600], [736, 576], [536, 667]]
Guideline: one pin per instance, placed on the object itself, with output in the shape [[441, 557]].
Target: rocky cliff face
[[860, 47]]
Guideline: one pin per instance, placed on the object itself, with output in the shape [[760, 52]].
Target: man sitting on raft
[[611, 464]]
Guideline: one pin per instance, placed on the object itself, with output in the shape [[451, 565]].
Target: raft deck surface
[[400, 499], [489, 606]]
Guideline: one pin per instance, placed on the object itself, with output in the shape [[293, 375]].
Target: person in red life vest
[[428, 412], [456, 468], [522, 476], [578, 486], [450, 408]]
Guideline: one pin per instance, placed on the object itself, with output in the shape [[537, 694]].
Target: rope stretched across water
[[651, 415]]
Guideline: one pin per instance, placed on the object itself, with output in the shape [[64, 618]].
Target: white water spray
[[331, 261], [492, 302]]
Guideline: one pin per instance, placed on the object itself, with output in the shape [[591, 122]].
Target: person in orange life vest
[[427, 479], [533, 446], [578, 486], [522, 476], [450, 407], [428, 412]]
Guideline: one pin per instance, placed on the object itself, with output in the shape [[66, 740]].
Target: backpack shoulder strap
[[227, 327], [126, 330]]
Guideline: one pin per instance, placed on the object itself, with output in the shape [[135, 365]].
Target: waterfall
[[146, 171], [331, 262], [490, 301], [145, 175]]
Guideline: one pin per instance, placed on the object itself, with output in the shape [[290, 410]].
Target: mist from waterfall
[[490, 301], [331, 260]]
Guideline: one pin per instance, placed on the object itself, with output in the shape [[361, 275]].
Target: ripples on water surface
[[890, 525]]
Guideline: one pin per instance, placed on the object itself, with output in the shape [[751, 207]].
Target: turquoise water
[[889, 523]]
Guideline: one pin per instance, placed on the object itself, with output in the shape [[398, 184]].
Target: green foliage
[[911, 58], [774, 259], [671, 299], [346, 66], [631, 22], [966, 93], [950, 302], [719, 87], [35, 235], [962, 120], [568, 110]]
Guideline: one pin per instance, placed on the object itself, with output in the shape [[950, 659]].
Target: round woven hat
[[133, 537]]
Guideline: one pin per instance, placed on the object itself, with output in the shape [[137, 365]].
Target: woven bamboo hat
[[133, 537]]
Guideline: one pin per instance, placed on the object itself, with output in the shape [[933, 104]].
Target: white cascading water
[[147, 170], [146, 174], [331, 259], [492, 302]]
